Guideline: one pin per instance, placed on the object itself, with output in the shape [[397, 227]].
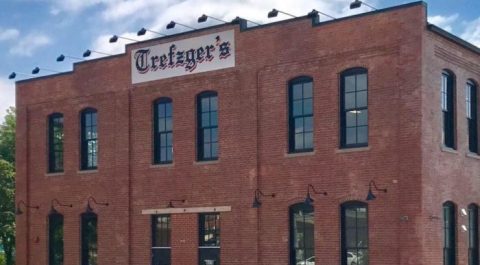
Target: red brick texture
[[404, 62]]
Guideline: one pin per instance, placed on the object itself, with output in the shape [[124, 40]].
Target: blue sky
[[34, 32]]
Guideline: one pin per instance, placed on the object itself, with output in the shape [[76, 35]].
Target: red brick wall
[[253, 147]]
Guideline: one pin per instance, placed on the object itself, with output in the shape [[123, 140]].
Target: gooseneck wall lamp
[[115, 38], [358, 3], [170, 203], [37, 69], [275, 12], [13, 75], [203, 18], [256, 200], [89, 52], [315, 13], [172, 25], [62, 57], [143, 31], [56, 202], [373, 185], [19, 211], [237, 20], [308, 199], [91, 199]]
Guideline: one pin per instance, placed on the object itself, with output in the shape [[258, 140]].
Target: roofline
[[455, 39]]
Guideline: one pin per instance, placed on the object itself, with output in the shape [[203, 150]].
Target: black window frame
[[209, 248], [84, 143], [89, 249], [293, 249], [473, 237], [344, 111], [55, 145], [292, 118], [55, 244], [344, 248], [448, 107], [471, 103], [201, 128], [449, 234], [161, 251], [161, 138]]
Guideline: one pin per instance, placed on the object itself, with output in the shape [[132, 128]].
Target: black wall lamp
[[315, 13], [89, 52], [309, 200], [238, 20], [37, 69], [203, 18], [115, 38], [172, 24], [143, 31], [170, 203], [62, 57], [19, 211], [371, 196], [275, 12], [256, 200], [55, 201], [13, 75], [358, 3], [91, 199]]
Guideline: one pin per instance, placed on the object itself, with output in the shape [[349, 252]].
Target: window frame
[[292, 210], [168, 248], [85, 247], [84, 155], [200, 129], [157, 135], [448, 108], [343, 240], [291, 117], [450, 232], [471, 105], [473, 236], [343, 112], [52, 144], [51, 244], [203, 246]]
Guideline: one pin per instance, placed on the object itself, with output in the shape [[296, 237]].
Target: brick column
[[184, 239]]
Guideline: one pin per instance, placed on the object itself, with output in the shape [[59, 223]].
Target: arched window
[[300, 121], [449, 234], [163, 131], [302, 228], [473, 250], [207, 123], [89, 238], [89, 139], [55, 239], [55, 143], [354, 108], [448, 108], [354, 233], [471, 110]]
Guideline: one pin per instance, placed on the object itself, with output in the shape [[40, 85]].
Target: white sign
[[184, 57]]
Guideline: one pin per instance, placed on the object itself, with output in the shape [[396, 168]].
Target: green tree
[[7, 186]]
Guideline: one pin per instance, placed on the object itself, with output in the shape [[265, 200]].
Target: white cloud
[[7, 96], [74, 5], [472, 32], [27, 45], [444, 22], [8, 34]]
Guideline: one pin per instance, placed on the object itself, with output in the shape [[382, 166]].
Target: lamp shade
[[12, 75], [61, 58], [202, 18], [273, 13], [171, 25], [142, 32]]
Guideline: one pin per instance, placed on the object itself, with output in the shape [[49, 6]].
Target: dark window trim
[[291, 120], [473, 240], [450, 253], [51, 143], [343, 129], [84, 142], [200, 142], [51, 247], [343, 207], [473, 120], [292, 209], [449, 116], [85, 217], [156, 134], [153, 237]]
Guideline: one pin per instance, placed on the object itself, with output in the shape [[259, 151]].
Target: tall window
[[55, 239], [302, 242], [55, 143], [471, 110], [89, 239], [89, 139], [354, 108], [207, 135], [354, 233], [300, 101], [161, 240], [473, 250], [163, 131], [448, 109], [449, 238], [209, 237]]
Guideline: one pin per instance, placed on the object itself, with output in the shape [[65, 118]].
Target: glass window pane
[[169, 153], [214, 149], [297, 91], [213, 103], [308, 124], [214, 135], [207, 152], [361, 99], [205, 119], [168, 109], [205, 104], [362, 117], [297, 108], [351, 135], [206, 136], [299, 141], [307, 90], [213, 118], [362, 134], [88, 119], [307, 107], [161, 110], [94, 118], [351, 237], [298, 125], [163, 139], [350, 83], [349, 101], [351, 120], [169, 139], [308, 140], [168, 124], [361, 82]]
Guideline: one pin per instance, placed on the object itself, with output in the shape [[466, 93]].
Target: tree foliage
[[7, 136]]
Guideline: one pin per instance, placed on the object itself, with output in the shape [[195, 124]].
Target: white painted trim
[[216, 209]]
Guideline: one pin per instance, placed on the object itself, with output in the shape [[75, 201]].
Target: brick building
[[162, 150]]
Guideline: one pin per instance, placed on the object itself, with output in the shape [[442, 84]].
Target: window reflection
[[302, 241], [354, 233]]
